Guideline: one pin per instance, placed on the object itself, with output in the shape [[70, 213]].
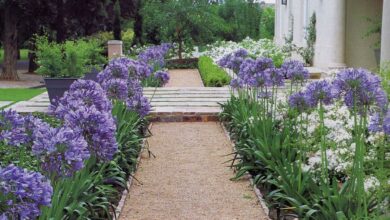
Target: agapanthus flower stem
[[324, 158]]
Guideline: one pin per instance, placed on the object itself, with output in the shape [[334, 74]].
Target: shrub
[[68, 59], [211, 74]]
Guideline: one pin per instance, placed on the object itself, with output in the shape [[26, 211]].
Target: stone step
[[187, 99], [187, 104], [188, 96]]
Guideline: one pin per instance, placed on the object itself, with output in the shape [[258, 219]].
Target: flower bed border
[[257, 191], [125, 192]]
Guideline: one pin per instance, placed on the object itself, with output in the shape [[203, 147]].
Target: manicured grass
[[23, 54], [19, 94], [212, 75]]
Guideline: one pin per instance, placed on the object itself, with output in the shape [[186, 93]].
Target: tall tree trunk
[[18, 57], [117, 21], [138, 24], [10, 42], [180, 51], [60, 23], [32, 65]]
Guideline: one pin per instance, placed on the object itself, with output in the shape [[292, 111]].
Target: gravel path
[[27, 80], [184, 78], [188, 179]]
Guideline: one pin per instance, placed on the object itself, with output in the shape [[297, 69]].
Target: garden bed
[[302, 153]]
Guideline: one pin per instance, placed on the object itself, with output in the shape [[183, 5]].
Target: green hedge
[[212, 75]]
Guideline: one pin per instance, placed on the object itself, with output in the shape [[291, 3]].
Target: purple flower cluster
[[61, 150], [82, 93], [380, 122], [319, 91], [155, 55], [295, 71], [12, 128], [91, 114], [315, 93], [162, 77], [258, 73], [360, 89], [126, 86], [275, 76], [140, 104], [24, 192], [16, 130], [233, 60], [299, 101]]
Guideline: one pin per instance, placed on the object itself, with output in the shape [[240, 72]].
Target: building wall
[[359, 49], [340, 29]]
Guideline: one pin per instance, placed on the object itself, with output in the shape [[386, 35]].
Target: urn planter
[[56, 87]]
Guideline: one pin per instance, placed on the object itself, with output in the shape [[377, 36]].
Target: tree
[[138, 24], [267, 24], [117, 21], [179, 21], [243, 18], [10, 41], [15, 15], [62, 19]]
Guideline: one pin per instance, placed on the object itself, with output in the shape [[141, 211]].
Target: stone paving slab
[[181, 102], [4, 103]]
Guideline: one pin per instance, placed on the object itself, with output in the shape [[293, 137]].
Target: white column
[[385, 38], [330, 45]]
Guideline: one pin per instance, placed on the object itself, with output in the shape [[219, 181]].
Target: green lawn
[[23, 54], [17, 94]]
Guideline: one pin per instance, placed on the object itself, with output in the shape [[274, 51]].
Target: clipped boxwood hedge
[[212, 75]]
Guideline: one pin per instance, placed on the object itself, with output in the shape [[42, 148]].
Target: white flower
[[371, 183]]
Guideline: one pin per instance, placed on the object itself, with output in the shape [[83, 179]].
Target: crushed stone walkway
[[188, 178]]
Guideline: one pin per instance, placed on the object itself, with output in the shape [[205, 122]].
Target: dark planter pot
[[92, 75], [56, 87]]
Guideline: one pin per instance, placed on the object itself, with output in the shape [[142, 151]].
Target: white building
[[341, 27]]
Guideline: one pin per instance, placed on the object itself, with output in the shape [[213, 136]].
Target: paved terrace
[[168, 103]]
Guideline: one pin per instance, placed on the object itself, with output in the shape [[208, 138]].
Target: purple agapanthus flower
[[82, 92], [253, 72], [376, 123], [295, 71], [236, 83], [299, 101], [12, 128], [25, 192], [92, 117], [233, 60], [140, 104], [276, 77], [155, 55], [386, 123], [139, 70], [116, 88], [117, 69], [360, 89], [98, 128], [61, 150], [380, 122], [162, 77], [319, 92]]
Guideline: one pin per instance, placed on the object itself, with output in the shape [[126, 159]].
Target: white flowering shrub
[[256, 48]]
